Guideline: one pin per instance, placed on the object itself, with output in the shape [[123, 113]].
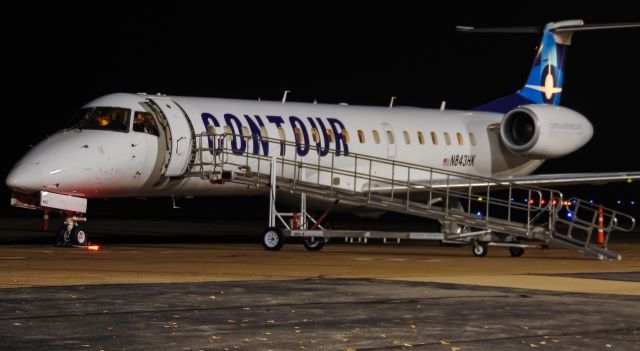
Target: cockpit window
[[102, 118], [143, 122]]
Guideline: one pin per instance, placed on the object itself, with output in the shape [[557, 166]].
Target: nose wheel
[[70, 234]]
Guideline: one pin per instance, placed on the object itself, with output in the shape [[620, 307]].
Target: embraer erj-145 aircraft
[[134, 145]]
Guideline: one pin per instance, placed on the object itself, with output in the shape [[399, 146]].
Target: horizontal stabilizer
[[466, 29], [597, 27], [560, 27]]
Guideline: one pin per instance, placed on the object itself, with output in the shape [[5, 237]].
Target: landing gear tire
[[516, 251], [479, 249], [78, 237], [73, 237], [313, 244], [63, 236], [272, 239]]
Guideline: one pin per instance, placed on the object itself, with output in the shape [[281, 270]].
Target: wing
[[545, 180], [536, 180]]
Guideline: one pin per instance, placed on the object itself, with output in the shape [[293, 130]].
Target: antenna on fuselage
[[393, 98], [284, 97]]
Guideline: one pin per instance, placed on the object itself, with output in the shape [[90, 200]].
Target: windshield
[[102, 118]]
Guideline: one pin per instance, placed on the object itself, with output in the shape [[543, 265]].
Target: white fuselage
[[108, 163]]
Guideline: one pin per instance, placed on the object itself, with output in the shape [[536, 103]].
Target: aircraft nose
[[26, 176]]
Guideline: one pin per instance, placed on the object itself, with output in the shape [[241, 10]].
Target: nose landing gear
[[70, 234]]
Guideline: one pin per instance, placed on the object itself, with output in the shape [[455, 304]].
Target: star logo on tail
[[549, 87]]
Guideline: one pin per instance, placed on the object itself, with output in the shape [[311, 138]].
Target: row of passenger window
[[315, 135], [421, 137]]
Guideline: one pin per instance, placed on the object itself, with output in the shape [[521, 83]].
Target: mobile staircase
[[472, 209]]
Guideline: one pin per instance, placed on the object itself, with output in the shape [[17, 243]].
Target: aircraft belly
[[195, 186]]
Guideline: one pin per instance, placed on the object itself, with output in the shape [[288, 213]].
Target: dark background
[[56, 58]]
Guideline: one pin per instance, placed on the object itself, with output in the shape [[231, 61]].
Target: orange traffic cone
[[600, 227]]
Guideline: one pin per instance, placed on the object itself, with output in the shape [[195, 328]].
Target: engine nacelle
[[544, 131]]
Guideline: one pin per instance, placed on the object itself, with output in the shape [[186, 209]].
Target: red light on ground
[[93, 247], [554, 202], [531, 202], [542, 202]]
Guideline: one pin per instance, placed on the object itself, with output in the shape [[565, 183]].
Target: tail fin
[[544, 84]]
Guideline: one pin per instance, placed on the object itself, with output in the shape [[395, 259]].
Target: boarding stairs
[[487, 209]]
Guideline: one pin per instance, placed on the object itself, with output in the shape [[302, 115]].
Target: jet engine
[[544, 131]]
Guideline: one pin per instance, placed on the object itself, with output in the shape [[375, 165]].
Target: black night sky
[[58, 58]]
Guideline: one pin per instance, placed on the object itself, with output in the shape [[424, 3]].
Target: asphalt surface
[[313, 314], [199, 285], [627, 277]]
